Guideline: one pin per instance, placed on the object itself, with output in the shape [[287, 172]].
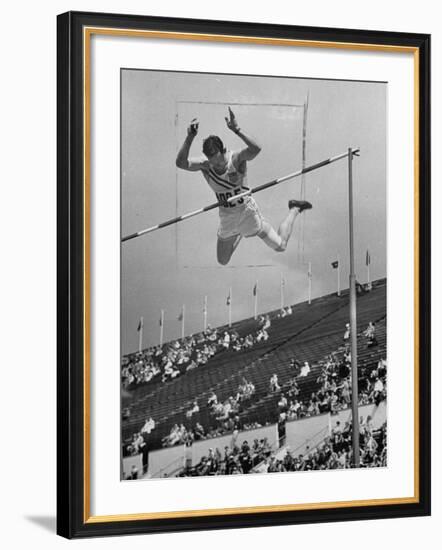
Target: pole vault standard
[[353, 322], [277, 181]]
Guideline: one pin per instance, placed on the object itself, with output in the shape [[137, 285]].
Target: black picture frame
[[73, 518]]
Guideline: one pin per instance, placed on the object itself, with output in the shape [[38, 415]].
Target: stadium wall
[[166, 461], [309, 432], [300, 434]]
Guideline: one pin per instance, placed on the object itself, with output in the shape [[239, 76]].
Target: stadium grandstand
[[263, 395]]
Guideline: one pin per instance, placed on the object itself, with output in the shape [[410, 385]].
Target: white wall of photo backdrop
[[28, 138]]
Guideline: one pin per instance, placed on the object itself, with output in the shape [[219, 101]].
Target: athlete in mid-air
[[226, 173]]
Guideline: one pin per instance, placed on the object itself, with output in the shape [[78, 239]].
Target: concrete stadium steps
[[178, 394], [266, 405], [310, 333]]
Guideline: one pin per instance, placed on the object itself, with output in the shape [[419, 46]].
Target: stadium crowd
[[332, 395], [334, 452], [180, 356]]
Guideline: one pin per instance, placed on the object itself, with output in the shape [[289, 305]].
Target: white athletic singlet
[[240, 217], [231, 182]]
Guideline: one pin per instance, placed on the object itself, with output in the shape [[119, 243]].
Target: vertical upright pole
[[161, 327], [304, 160], [339, 275], [281, 291], [309, 282], [353, 324], [183, 314], [230, 307], [256, 301], [205, 313], [368, 261], [140, 335]]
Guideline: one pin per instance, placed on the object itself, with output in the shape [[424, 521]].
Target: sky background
[[177, 265]]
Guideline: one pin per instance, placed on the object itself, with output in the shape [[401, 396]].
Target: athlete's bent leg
[[278, 240], [225, 248], [271, 237]]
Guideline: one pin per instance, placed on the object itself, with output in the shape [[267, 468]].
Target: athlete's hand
[[192, 129], [231, 122]]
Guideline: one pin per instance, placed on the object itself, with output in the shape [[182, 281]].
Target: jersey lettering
[[223, 198]]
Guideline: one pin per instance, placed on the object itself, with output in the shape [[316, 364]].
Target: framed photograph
[[243, 274]]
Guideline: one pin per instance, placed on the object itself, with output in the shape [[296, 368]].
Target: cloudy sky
[[177, 265]]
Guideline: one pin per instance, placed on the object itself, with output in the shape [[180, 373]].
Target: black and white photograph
[[253, 274]]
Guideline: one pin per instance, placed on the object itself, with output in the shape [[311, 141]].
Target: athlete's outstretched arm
[[182, 159], [252, 148]]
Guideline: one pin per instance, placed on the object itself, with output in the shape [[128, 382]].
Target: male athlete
[[226, 173]]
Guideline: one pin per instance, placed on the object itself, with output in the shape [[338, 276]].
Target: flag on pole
[[140, 333], [181, 318], [255, 301], [282, 291], [229, 299], [161, 323], [367, 263], [335, 264], [205, 313]]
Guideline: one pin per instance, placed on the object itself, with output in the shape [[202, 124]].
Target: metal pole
[[309, 282], [353, 324], [256, 301], [183, 313], [205, 313], [140, 335], [339, 275], [161, 327], [230, 306], [281, 290]]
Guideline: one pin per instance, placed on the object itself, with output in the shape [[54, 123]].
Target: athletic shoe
[[301, 205]]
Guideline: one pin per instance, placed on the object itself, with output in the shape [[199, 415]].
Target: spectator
[[149, 425], [370, 334], [305, 369], [195, 408], [274, 385]]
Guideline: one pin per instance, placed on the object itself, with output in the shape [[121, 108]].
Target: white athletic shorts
[[244, 219]]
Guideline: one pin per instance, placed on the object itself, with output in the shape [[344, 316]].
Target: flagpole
[[140, 335], [230, 307], [282, 292], [339, 275], [310, 282], [161, 327], [353, 321], [205, 313], [183, 312], [256, 300], [368, 261]]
